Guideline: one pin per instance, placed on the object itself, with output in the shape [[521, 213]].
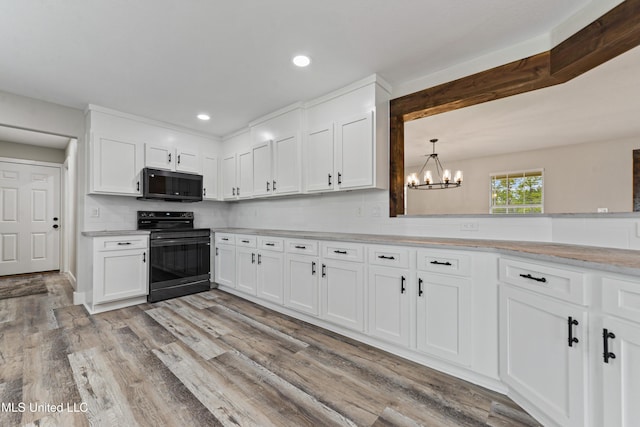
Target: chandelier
[[444, 180]]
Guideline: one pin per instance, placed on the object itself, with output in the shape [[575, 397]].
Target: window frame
[[508, 206]]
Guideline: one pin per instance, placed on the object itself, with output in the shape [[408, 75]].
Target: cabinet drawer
[[568, 285], [343, 251], [116, 243], [389, 256], [271, 243], [225, 239], [621, 298], [443, 261], [307, 247], [246, 241]]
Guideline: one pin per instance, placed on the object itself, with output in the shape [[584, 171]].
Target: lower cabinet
[[120, 268], [389, 301], [246, 270], [225, 265], [444, 317], [270, 276], [543, 353], [301, 283], [342, 291]]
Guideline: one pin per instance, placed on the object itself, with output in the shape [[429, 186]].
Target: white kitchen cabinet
[[319, 155], [115, 165], [271, 276], [172, 158], [229, 177], [355, 152], [444, 317], [209, 176], [246, 271], [244, 189], [225, 262], [342, 290], [621, 372], [120, 268], [389, 301], [262, 183], [286, 164], [543, 353], [301, 282]]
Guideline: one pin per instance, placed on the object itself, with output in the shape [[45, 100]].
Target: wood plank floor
[[214, 359]]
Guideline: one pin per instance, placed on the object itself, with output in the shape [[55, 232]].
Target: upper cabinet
[[115, 165], [346, 139], [172, 158], [210, 176]]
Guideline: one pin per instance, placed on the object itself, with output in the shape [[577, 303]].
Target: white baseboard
[[72, 280], [79, 298]]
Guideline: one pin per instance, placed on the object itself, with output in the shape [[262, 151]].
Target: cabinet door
[[301, 283], [225, 267], [355, 152], [536, 360], [159, 157], [621, 375], [444, 317], [120, 274], [271, 276], [229, 177], [319, 158], [343, 293], [116, 166], [245, 175], [262, 169], [188, 161], [286, 165], [246, 270], [389, 304], [209, 177]]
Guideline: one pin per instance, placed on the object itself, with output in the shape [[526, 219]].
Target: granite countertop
[[623, 261], [107, 233]]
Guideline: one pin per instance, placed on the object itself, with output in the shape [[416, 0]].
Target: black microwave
[[158, 184]]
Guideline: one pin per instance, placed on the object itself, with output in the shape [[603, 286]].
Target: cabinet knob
[[55, 226]]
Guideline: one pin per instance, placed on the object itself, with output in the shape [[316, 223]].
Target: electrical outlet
[[375, 211], [95, 212], [469, 226], [359, 211], [603, 210]]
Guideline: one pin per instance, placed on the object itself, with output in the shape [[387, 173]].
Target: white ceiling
[[600, 105], [169, 60], [22, 136]]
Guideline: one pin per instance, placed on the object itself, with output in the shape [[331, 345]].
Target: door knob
[[55, 225]]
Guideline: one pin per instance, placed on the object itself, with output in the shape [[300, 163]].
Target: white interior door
[[29, 218]]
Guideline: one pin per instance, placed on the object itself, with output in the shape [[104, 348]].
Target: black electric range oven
[[179, 254]]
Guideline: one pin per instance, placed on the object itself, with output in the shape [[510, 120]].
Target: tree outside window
[[517, 192]]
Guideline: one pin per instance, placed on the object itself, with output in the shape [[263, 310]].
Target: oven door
[[178, 261]]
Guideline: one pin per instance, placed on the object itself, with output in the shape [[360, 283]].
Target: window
[[517, 192]]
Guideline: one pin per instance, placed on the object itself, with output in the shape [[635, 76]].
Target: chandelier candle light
[[444, 175]]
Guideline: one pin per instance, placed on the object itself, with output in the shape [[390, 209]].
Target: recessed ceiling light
[[301, 61], [203, 116]]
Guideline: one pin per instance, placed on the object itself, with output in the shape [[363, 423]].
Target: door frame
[[62, 191]]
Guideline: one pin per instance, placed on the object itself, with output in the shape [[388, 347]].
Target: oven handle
[[177, 242]]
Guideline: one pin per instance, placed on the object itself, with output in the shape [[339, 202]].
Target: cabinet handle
[[440, 263], [402, 288], [123, 243], [420, 292], [237, 191], [606, 355], [253, 258], [300, 247], [340, 252], [233, 191], [144, 257], [386, 257], [169, 157], [339, 178], [571, 322], [267, 185], [324, 270], [216, 251], [245, 241], [138, 186], [204, 192], [329, 180], [178, 158], [274, 185], [225, 239], [537, 279], [259, 259], [269, 244], [313, 267]]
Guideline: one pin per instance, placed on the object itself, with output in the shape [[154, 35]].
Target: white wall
[[31, 152]]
